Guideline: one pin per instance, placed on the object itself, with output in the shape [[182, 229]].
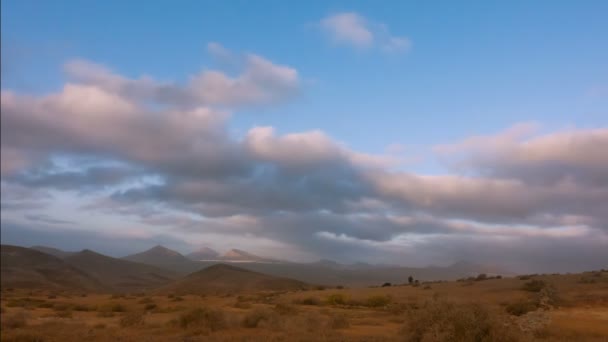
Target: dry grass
[[538, 308]]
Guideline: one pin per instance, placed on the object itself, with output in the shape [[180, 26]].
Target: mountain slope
[[228, 279], [121, 275], [163, 257], [204, 253], [28, 268], [53, 251], [237, 255]]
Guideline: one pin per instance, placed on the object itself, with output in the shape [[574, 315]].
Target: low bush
[[520, 308], [118, 308], [63, 313], [445, 321], [336, 299], [132, 319], [285, 309], [204, 318], [534, 286], [338, 322], [308, 301], [261, 318], [150, 306], [14, 321], [378, 301]]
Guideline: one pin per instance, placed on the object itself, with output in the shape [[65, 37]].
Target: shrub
[[534, 286], [203, 318], [387, 285], [259, 317], [445, 321], [146, 300], [378, 301], [285, 309], [61, 306], [16, 320], [481, 276], [338, 322], [24, 337], [336, 299], [81, 307], [132, 319], [64, 313], [520, 308], [150, 306], [46, 305], [118, 308], [309, 301]]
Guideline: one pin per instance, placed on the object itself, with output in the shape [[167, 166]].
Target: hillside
[[121, 275], [204, 253], [227, 279], [28, 268], [237, 255], [166, 258], [53, 251]]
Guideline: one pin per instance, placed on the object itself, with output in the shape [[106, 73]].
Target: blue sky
[[472, 68]]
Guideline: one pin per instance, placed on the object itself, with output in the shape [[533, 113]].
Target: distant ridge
[[164, 257], [29, 268], [121, 275], [237, 255], [228, 279], [204, 253], [53, 251]]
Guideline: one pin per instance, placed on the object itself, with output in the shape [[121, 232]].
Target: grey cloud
[[303, 189]]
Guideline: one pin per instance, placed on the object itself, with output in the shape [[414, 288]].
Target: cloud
[[353, 29], [175, 169], [259, 82]]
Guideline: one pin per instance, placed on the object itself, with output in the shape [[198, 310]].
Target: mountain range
[[160, 267]]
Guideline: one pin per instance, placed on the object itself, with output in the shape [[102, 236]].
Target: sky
[[407, 132]]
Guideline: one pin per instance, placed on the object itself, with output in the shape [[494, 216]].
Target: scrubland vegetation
[[525, 308]]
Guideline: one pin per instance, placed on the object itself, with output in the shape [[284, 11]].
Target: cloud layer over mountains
[[162, 154]]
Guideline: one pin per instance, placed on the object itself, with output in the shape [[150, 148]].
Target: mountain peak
[[203, 253], [159, 249]]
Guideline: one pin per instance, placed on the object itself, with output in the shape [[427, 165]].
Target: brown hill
[[121, 275], [227, 279], [53, 251], [29, 268]]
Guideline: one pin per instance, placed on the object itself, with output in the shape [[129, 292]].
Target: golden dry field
[[571, 307]]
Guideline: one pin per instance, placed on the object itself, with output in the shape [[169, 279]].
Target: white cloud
[[353, 29]]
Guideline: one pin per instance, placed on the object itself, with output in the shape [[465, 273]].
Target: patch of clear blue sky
[[476, 67]]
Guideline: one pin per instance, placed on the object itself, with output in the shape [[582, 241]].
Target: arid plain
[[258, 307]]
